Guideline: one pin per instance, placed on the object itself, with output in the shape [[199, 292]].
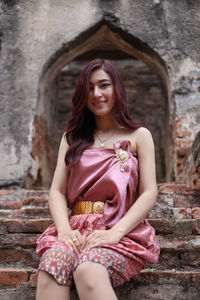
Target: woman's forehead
[[99, 75]]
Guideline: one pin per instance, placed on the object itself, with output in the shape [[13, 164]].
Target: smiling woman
[[107, 240], [101, 97]]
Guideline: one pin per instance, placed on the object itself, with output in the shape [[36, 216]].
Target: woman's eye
[[104, 85]]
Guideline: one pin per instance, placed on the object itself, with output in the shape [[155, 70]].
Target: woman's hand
[[101, 237], [72, 239]]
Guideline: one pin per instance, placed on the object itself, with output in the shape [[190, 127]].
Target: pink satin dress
[[101, 176]]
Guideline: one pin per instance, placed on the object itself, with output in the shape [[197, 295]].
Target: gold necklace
[[102, 142]]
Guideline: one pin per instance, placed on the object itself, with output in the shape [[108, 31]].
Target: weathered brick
[[32, 212], [17, 225], [172, 243], [29, 258], [188, 201], [196, 226], [18, 239], [6, 192], [190, 258], [165, 199], [40, 202], [162, 226], [180, 213], [183, 227], [3, 228], [33, 278], [196, 212], [44, 194], [7, 204], [12, 277], [183, 189], [8, 255]]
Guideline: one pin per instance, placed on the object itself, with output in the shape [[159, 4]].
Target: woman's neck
[[106, 123]]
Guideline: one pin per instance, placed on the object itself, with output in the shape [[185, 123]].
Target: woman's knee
[[89, 274], [44, 279]]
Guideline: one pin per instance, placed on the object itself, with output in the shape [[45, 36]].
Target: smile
[[99, 102]]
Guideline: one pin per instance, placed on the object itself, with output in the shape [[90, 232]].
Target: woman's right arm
[[58, 203]]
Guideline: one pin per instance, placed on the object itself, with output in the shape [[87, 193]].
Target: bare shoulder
[[142, 138], [142, 133], [63, 148]]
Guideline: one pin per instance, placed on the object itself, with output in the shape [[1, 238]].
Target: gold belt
[[88, 207]]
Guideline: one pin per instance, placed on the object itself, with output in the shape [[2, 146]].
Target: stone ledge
[[162, 226], [149, 284]]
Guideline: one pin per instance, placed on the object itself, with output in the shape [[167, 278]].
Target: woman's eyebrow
[[101, 80]]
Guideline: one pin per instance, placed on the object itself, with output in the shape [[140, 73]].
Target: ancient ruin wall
[[42, 36]]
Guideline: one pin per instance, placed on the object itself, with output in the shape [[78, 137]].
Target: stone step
[[149, 285], [163, 226], [177, 251], [175, 201]]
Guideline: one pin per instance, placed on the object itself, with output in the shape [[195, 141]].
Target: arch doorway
[[146, 82]]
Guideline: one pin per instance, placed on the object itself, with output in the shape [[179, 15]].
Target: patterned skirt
[[122, 260]]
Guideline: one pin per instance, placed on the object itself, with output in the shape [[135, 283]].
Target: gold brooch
[[122, 156]]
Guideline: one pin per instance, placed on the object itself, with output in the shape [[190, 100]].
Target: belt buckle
[[98, 207]]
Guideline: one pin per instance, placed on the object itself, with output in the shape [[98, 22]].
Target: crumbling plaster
[[35, 33]]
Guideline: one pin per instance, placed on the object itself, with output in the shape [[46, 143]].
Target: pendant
[[102, 145], [122, 156]]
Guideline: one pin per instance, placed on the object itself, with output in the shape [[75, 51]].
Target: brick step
[[165, 226], [149, 284], [179, 242], [177, 201]]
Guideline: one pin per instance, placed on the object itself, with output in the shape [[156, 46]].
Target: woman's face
[[101, 97]]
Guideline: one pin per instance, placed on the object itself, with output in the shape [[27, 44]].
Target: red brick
[[184, 143], [180, 161], [6, 192], [182, 132], [18, 239], [29, 258], [189, 201], [35, 202], [196, 226], [5, 213], [3, 228], [186, 243], [180, 213], [7, 204], [183, 227], [181, 151], [32, 212], [10, 255], [196, 212], [17, 225], [193, 278], [184, 189], [190, 258], [12, 277], [33, 279], [162, 226]]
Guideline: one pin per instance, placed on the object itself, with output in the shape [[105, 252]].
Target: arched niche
[[104, 36]]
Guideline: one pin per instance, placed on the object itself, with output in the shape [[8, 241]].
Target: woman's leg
[[49, 289], [92, 282]]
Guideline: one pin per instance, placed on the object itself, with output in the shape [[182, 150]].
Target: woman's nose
[[97, 91]]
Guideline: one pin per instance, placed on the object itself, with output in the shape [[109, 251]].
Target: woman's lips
[[99, 103]]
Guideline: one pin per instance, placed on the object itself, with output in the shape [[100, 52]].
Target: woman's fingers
[[72, 240]]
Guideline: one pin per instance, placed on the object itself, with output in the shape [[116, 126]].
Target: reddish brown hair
[[81, 125]]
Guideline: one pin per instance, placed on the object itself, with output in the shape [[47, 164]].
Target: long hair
[[81, 125]]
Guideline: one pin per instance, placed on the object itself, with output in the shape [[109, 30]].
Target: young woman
[[105, 175]]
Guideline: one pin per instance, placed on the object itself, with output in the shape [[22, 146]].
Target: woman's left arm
[[147, 185], [147, 191]]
